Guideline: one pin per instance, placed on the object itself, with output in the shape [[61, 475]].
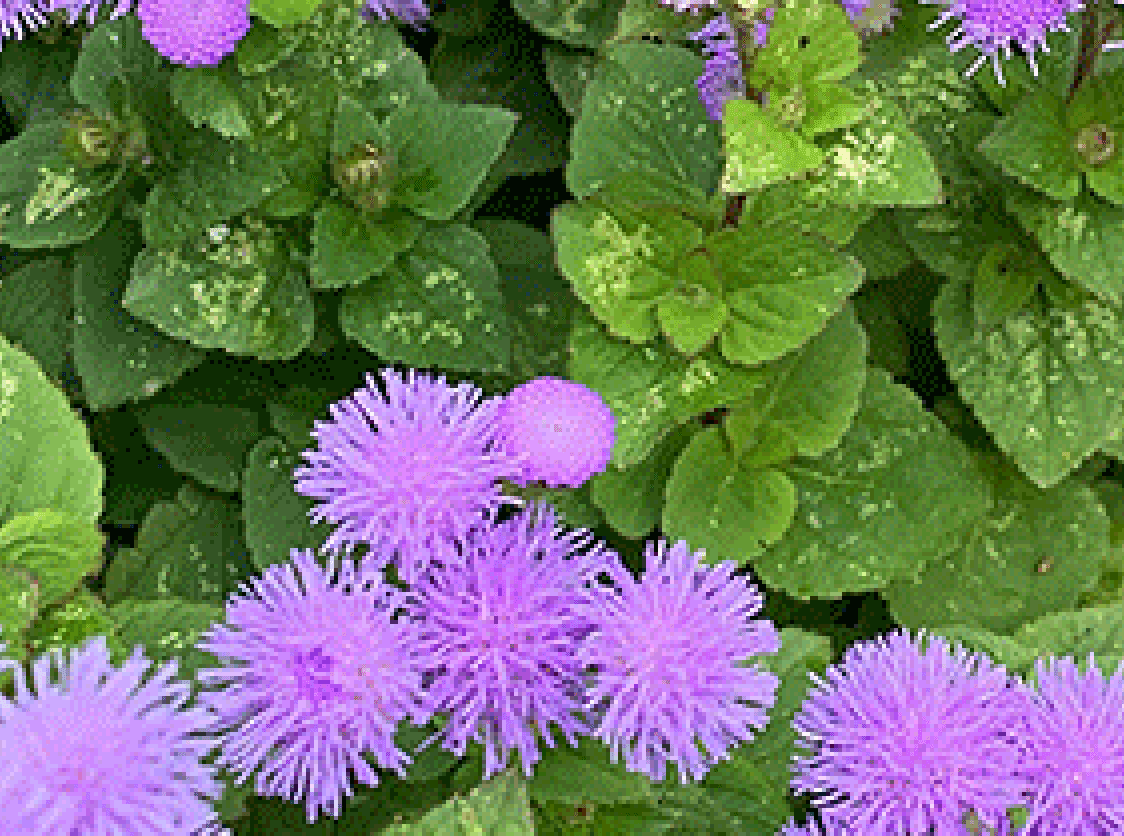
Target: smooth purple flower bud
[[563, 431]]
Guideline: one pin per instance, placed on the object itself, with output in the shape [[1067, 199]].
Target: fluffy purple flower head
[[324, 672], [1073, 743], [991, 25], [668, 651], [409, 11], [74, 8], [904, 740], [503, 623], [15, 14], [722, 77], [830, 827], [96, 751], [562, 431], [401, 471], [194, 33]]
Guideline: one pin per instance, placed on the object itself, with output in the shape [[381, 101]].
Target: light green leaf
[[585, 775], [759, 151], [811, 394], [235, 290], [575, 22], [55, 548], [45, 456], [1097, 630], [641, 112], [715, 503], [781, 286], [897, 492], [72, 623], [499, 806], [283, 12], [569, 72], [1046, 382], [694, 313], [439, 305], [1006, 281], [808, 40], [168, 629]]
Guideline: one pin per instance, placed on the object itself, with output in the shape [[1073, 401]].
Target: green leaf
[[574, 22], [886, 334], [781, 286], [584, 774], [693, 314], [498, 806], [1044, 382], [439, 305], [36, 307], [620, 259], [34, 78], [715, 503], [349, 247], [235, 290], [652, 388], [1097, 630], [449, 147], [1032, 143], [897, 492], [632, 498], [216, 97], [56, 548], [72, 623], [1083, 239], [276, 516], [206, 441], [568, 71], [992, 578], [284, 12], [788, 203], [45, 455], [167, 630], [504, 70], [141, 477], [639, 19], [808, 40], [118, 357], [880, 247], [811, 394], [190, 548], [265, 46], [1006, 281], [19, 604], [641, 112], [116, 52], [759, 151], [224, 181]]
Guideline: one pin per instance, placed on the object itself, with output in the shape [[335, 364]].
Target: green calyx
[[364, 175], [1096, 143], [90, 140]]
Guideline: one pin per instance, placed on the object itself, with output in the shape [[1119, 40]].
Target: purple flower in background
[[503, 624], [669, 651], [873, 18], [74, 8], [991, 25], [194, 33], [722, 77], [562, 431], [409, 11], [692, 6], [904, 740], [813, 828], [1073, 743], [97, 751], [325, 673], [400, 471], [15, 14]]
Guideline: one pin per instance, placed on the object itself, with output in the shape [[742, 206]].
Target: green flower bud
[[364, 175], [1096, 144], [90, 140]]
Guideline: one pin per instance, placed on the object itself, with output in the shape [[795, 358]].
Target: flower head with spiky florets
[[74, 8], [97, 751], [503, 621], [16, 14], [399, 472], [1072, 737], [562, 431], [994, 25], [669, 653], [325, 671], [903, 739], [194, 33], [830, 827], [408, 11]]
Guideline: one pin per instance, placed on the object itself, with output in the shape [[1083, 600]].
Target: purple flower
[[74, 8], [873, 18], [722, 77], [904, 740], [97, 751], [562, 431], [1073, 742], [401, 471], [410, 11], [194, 33], [15, 14], [830, 827], [503, 623], [991, 25], [692, 6], [669, 652], [325, 673]]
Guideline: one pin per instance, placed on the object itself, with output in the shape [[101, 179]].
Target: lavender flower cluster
[[506, 630]]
